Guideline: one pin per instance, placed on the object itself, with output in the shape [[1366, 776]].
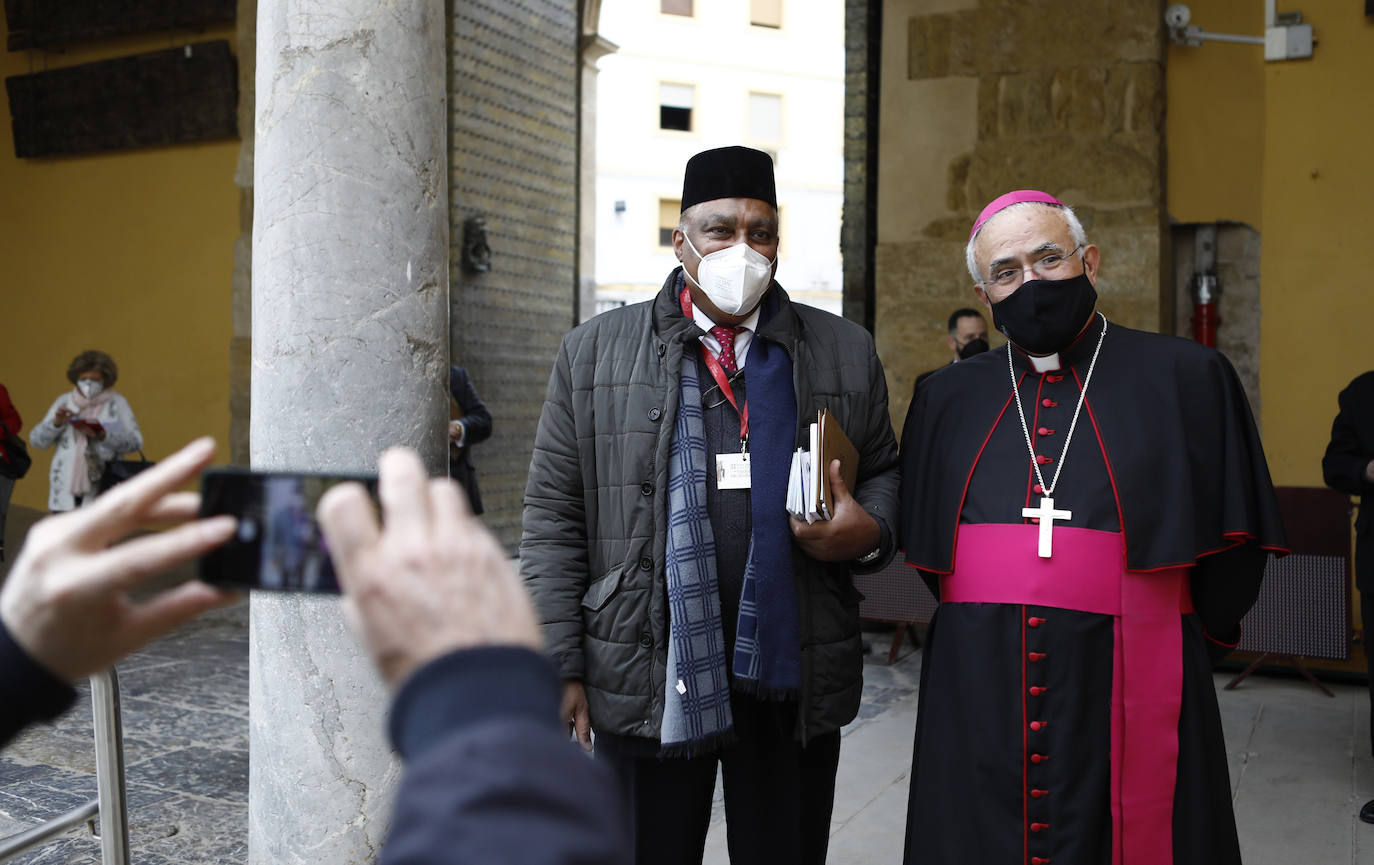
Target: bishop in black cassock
[[1068, 714]]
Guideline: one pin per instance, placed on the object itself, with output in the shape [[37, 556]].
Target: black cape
[[1165, 449]]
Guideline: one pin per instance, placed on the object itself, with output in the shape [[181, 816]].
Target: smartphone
[[278, 544]]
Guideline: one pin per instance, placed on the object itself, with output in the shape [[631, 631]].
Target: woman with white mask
[[90, 424]]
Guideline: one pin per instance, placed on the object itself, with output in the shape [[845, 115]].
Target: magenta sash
[[998, 564]]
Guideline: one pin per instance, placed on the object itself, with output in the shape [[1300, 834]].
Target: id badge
[[732, 471]]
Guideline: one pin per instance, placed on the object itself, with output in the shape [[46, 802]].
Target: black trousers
[[778, 794], [1367, 614]]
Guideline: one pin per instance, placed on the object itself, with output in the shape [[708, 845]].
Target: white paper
[[812, 460]]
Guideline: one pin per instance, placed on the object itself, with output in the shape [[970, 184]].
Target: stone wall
[[513, 95], [982, 97], [858, 218], [1238, 274], [513, 133]]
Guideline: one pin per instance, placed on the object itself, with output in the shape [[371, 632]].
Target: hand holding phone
[[278, 544], [430, 581], [67, 600]]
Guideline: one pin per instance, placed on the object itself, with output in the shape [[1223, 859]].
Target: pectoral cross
[[1047, 515]]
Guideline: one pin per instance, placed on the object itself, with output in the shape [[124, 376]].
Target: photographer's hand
[[66, 600], [432, 580]]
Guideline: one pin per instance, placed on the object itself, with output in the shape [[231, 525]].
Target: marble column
[[349, 355]]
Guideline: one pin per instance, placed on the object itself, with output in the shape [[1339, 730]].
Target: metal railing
[[110, 806]]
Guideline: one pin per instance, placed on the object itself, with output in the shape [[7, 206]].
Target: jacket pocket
[[602, 589], [840, 582]]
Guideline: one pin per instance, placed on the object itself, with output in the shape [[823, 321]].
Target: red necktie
[[726, 337]]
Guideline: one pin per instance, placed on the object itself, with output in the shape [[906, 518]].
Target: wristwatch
[[871, 555]]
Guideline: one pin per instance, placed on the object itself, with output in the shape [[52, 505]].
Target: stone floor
[[1300, 769], [185, 712], [1300, 764]]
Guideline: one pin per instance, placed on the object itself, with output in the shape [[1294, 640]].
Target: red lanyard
[[718, 373]]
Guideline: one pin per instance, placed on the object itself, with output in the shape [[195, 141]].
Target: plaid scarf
[[767, 651], [696, 710]]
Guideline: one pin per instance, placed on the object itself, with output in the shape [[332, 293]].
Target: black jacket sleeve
[[1352, 434], [1225, 586], [28, 692], [491, 777], [476, 417]]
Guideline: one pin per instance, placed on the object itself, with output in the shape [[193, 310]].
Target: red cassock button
[[1039, 827], [1036, 860], [1036, 656], [1054, 378], [1037, 794], [1036, 690], [1048, 403], [1044, 431], [1035, 621], [1038, 758], [1038, 725], [1038, 489], [1042, 459]]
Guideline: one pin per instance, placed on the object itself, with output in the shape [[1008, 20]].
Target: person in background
[[1348, 466], [10, 424], [433, 599], [470, 423], [90, 424], [968, 336]]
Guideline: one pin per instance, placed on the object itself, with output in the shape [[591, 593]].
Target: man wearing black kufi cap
[[695, 624]]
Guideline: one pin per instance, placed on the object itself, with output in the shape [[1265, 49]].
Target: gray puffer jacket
[[594, 538]]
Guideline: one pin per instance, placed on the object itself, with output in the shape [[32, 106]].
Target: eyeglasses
[[706, 398], [1048, 265]]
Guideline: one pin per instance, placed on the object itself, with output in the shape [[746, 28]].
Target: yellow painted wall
[[1317, 328], [130, 252], [1214, 118], [1284, 146]]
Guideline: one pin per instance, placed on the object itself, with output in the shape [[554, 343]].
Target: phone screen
[[278, 544]]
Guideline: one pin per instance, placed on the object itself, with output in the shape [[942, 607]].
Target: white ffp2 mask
[[734, 278], [89, 387]]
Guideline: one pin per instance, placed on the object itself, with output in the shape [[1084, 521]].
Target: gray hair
[[1080, 237]]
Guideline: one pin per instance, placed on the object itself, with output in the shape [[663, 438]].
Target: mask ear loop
[[699, 256]]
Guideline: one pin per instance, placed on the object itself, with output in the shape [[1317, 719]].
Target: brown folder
[[833, 445]]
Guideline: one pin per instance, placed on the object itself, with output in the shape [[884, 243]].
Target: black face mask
[[977, 345], [1044, 315]]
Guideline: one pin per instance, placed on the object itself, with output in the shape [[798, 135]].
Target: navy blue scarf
[[768, 641]]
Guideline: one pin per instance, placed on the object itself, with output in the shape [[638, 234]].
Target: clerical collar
[[1078, 352]]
